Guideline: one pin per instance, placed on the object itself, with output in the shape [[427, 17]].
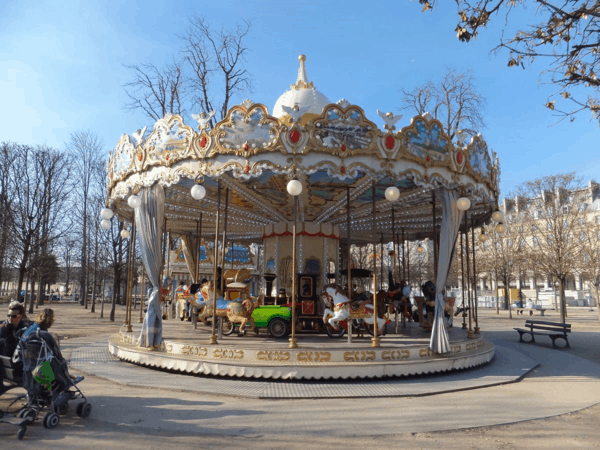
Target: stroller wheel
[[51, 420], [84, 409], [21, 433], [28, 414]]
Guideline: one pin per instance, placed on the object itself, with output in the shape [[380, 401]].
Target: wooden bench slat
[[549, 328], [542, 322]]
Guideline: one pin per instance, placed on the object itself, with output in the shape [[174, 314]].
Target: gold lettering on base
[[357, 356], [426, 352], [273, 356], [395, 355], [224, 353], [313, 356], [194, 350]]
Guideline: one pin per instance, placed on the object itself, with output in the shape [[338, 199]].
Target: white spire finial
[[302, 80], [302, 70]]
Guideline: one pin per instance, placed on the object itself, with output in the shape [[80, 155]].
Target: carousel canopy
[[331, 148]]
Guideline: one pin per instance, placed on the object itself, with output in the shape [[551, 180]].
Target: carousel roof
[[332, 149]]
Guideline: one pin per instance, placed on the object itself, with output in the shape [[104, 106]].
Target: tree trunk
[[32, 295], [563, 306], [103, 291], [94, 289], [597, 302], [116, 291], [506, 299]]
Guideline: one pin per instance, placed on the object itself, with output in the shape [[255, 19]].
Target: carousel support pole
[[435, 241], [462, 279], [213, 337], [348, 258], [162, 266], [168, 256], [198, 243], [293, 340], [403, 257], [470, 332], [375, 338], [474, 277], [223, 245], [394, 244], [408, 263], [381, 265], [131, 257]]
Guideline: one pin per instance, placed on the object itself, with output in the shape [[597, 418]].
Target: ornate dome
[[303, 93]]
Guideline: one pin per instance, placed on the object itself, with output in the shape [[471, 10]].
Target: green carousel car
[[276, 319]]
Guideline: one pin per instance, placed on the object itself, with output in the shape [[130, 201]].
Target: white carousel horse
[[335, 295]]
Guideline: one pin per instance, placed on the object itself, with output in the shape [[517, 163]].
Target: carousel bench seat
[[12, 376]]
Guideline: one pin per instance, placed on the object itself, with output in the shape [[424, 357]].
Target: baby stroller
[[46, 380]]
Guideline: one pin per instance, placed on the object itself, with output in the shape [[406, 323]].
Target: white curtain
[[149, 219], [451, 217], [190, 248]]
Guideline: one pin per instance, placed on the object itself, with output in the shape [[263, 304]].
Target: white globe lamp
[[105, 224], [482, 237], [500, 228], [198, 192], [392, 193], [294, 187], [134, 201], [125, 234], [497, 216], [106, 213], [463, 203], [419, 249]]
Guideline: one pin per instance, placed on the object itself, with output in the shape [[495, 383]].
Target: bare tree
[[566, 36], [211, 61], [454, 101], [40, 177], [156, 91], [209, 52], [7, 194], [86, 151], [551, 219]]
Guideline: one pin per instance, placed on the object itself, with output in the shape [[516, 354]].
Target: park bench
[[531, 310], [552, 329], [12, 377]]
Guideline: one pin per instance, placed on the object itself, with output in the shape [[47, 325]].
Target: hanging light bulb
[[134, 201], [463, 203], [482, 237], [105, 224], [125, 234], [198, 192], [497, 216], [392, 193], [500, 228], [419, 249], [106, 213], [294, 187]]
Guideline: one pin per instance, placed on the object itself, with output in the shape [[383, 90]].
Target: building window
[[536, 241], [597, 218], [582, 235], [549, 226]]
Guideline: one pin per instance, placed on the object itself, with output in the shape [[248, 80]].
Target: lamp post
[[294, 188], [463, 204]]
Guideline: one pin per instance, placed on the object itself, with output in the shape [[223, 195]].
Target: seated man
[[9, 329]]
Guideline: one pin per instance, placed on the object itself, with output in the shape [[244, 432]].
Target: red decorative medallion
[[343, 148], [459, 157], [246, 169], [295, 136], [167, 157], [203, 141], [141, 156], [389, 142], [343, 169], [428, 158], [246, 147], [426, 179]]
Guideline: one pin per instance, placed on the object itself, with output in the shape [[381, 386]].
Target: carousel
[[283, 197]]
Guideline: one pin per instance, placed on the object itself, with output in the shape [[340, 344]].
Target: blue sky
[[61, 69]]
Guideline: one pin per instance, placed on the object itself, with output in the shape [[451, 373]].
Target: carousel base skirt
[[315, 358]]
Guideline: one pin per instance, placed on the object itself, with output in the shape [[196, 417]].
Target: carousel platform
[[187, 350]]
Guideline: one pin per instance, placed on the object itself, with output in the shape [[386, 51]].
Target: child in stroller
[[45, 376]]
